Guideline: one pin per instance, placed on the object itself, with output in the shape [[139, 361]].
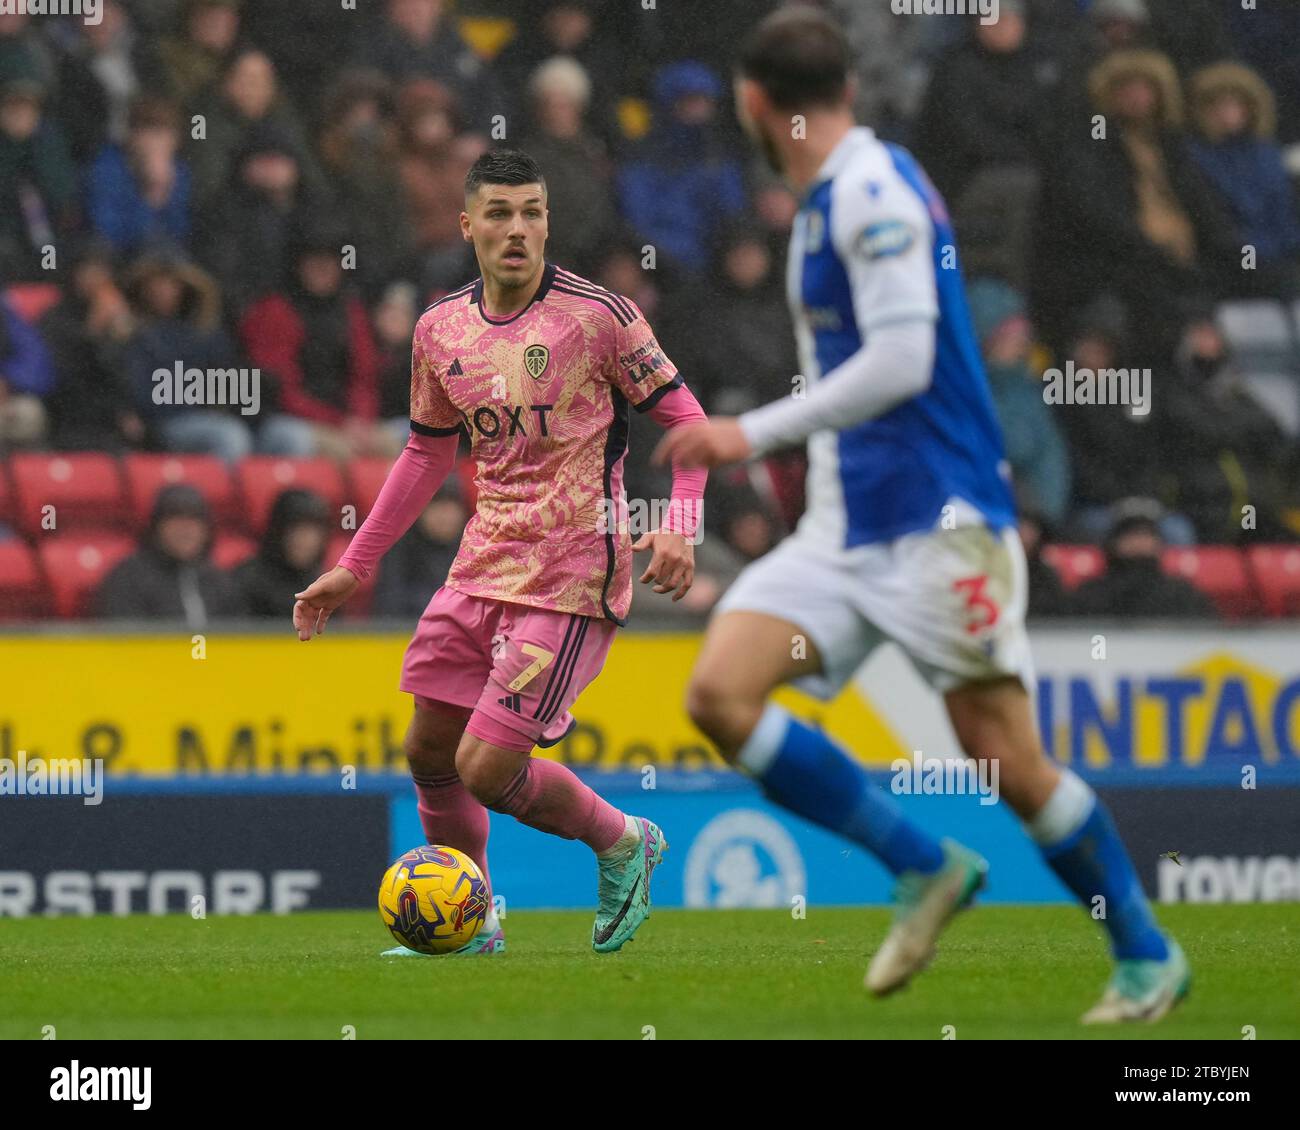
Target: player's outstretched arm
[[420, 470], [895, 366], [313, 606]]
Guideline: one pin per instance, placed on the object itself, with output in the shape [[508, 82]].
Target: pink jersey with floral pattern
[[544, 396]]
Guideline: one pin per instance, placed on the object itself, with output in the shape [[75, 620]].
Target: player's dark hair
[[800, 57], [503, 166]]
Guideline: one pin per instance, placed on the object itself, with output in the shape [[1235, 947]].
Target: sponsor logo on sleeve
[[886, 239]]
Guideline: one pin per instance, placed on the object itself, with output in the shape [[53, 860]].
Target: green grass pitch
[[1010, 972]]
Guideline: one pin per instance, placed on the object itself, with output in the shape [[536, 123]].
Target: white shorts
[[953, 600]]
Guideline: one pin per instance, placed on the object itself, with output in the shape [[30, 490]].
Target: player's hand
[[313, 606], [710, 443], [672, 567]]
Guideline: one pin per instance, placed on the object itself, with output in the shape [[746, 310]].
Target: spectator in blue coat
[[26, 378], [139, 192], [1035, 449], [1235, 120], [683, 184]]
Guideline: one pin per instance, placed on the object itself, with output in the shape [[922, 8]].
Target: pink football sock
[[547, 796], [451, 816]]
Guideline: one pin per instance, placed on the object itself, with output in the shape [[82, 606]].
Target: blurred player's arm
[[895, 365], [885, 241]]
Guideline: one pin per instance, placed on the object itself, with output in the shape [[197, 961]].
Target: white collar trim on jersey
[[849, 144]]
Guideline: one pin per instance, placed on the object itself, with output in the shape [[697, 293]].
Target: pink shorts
[[518, 668]]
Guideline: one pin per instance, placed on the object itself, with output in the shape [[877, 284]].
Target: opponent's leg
[[1078, 839], [746, 656]]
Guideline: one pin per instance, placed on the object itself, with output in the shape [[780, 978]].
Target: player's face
[[751, 111], [507, 226]]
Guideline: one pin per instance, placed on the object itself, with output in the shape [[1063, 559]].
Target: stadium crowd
[[274, 186]]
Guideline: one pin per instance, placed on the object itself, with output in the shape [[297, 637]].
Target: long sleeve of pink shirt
[[420, 470], [674, 409]]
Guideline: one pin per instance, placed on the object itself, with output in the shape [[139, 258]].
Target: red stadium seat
[[230, 550], [359, 603], [76, 565], [22, 588], [6, 494], [365, 480], [1219, 571], [85, 490], [1276, 570], [262, 478], [146, 475], [1075, 563]]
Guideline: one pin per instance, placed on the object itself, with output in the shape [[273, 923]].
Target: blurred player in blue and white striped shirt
[[909, 533]]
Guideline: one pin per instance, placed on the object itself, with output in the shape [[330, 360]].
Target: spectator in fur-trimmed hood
[[1234, 116]]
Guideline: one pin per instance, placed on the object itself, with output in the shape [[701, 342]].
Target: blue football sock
[[803, 770], [1078, 839]]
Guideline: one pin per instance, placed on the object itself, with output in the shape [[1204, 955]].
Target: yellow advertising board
[[263, 704], [1186, 699]]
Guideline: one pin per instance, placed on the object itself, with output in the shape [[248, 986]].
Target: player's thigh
[[788, 618], [450, 655], [749, 654], [994, 722], [543, 662], [434, 736]]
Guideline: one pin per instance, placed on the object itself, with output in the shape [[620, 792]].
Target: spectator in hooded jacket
[[245, 238], [743, 354], [1235, 119], [315, 342], [38, 181], [359, 146], [291, 555], [105, 68], [88, 331], [178, 320], [1135, 585], [1040, 464], [170, 577], [418, 40], [195, 56], [682, 183], [434, 157], [1222, 448], [248, 96], [985, 104], [1130, 214]]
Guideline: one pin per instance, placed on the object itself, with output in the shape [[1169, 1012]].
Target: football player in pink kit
[[538, 368]]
